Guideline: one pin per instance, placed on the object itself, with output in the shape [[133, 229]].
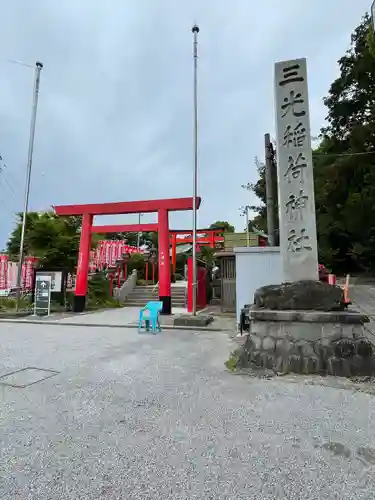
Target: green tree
[[345, 161], [53, 240], [227, 228], [207, 254], [149, 239]]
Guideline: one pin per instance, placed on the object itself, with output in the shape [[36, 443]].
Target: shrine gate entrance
[[162, 207]]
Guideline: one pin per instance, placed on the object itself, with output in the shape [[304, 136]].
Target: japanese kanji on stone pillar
[[298, 241]]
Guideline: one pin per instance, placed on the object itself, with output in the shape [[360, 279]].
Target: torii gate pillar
[[164, 262], [79, 300]]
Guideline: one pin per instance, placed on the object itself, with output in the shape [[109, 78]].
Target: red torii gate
[[88, 211], [211, 237], [214, 235]]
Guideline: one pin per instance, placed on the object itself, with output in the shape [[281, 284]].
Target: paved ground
[[134, 416], [122, 317], [363, 298]]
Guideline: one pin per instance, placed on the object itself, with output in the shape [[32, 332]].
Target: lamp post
[[38, 69], [244, 211], [373, 15], [195, 31]]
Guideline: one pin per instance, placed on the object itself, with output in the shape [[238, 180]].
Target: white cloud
[[115, 114]]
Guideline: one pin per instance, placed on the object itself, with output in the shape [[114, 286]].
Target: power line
[[4, 169], [345, 154], [6, 182]]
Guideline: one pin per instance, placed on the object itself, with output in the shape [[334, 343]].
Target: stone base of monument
[[306, 341]]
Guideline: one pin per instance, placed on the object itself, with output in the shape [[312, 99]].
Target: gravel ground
[[157, 417]]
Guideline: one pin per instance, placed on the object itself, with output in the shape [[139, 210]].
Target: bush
[[178, 277], [143, 282], [234, 360], [99, 293], [98, 296], [9, 303]]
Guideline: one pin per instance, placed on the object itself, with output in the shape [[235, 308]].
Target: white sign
[[298, 241], [56, 279]]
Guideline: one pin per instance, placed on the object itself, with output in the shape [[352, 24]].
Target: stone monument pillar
[[300, 325], [298, 242]]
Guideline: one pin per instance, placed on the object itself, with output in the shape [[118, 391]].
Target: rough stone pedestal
[[200, 320], [308, 342], [301, 295]]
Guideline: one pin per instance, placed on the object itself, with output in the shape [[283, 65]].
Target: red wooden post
[[146, 257], [201, 287], [111, 276], [126, 257], [164, 262], [190, 284], [125, 270], [174, 252], [212, 239], [118, 271], [79, 299], [152, 261]]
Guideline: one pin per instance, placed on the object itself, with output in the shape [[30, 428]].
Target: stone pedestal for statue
[[303, 328]]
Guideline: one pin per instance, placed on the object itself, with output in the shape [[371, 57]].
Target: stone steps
[[143, 294]]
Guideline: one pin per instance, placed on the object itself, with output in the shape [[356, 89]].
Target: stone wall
[[121, 294], [308, 342]]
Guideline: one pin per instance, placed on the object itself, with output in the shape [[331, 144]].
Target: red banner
[[108, 251], [106, 254], [3, 272]]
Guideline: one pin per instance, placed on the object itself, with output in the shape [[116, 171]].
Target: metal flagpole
[[38, 69], [195, 31]]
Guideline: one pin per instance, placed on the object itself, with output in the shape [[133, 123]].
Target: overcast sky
[[115, 111]]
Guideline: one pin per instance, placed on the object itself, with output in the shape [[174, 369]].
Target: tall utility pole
[[195, 31], [270, 203], [38, 69]]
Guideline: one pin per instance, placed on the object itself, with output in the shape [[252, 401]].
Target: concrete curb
[[101, 325]]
